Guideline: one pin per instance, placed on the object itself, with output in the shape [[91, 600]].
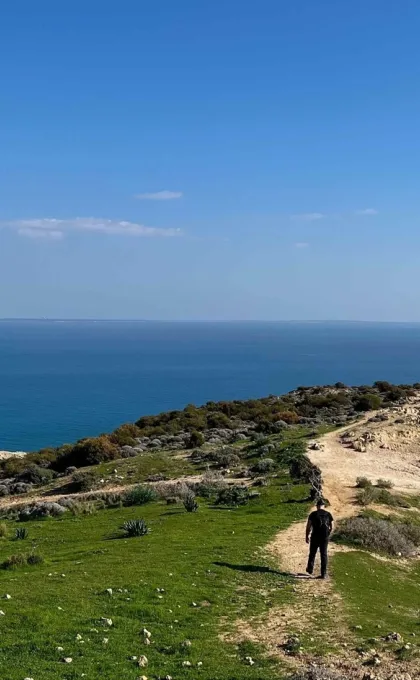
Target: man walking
[[318, 529]]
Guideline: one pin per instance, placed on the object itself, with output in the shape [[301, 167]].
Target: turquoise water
[[60, 381]]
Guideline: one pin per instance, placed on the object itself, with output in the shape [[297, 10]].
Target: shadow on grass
[[253, 568]]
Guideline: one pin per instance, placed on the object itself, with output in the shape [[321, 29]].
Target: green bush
[[264, 465], [87, 452], [366, 496], [232, 495], [190, 504], [33, 559], [34, 474], [363, 483], [368, 402], [196, 440], [224, 458], [139, 495], [84, 480], [21, 534], [135, 527]]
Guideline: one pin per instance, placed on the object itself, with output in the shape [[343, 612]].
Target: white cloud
[[55, 229], [53, 234], [160, 196], [302, 245], [308, 217], [366, 211]]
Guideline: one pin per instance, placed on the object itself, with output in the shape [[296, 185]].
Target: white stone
[[143, 661]]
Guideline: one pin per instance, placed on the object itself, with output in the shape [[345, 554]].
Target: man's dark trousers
[[318, 543]]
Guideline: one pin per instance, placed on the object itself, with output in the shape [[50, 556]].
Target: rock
[[249, 660], [146, 633], [109, 591], [79, 637], [107, 622], [59, 649], [67, 659], [142, 677], [143, 661], [7, 597], [187, 664], [105, 641], [187, 643], [393, 637], [2, 613]]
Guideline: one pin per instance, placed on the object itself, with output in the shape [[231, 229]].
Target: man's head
[[320, 504]]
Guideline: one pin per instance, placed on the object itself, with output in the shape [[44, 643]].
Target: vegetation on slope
[[216, 422], [192, 571]]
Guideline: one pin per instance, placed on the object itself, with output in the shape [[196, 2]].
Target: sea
[[64, 380]]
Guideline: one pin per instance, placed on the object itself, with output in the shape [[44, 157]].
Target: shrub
[[34, 474], [224, 458], [210, 484], [33, 559], [363, 483], [372, 494], [3, 530], [384, 484], [196, 439], [84, 480], [135, 527], [368, 402], [378, 535], [77, 507], [86, 452], [40, 510], [139, 495], [21, 533], [190, 504], [14, 561], [125, 435], [366, 496], [264, 465], [232, 495], [172, 490]]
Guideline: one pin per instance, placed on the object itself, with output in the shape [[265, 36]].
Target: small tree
[[196, 439], [368, 402]]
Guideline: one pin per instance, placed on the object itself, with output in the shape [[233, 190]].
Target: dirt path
[[391, 453], [317, 607]]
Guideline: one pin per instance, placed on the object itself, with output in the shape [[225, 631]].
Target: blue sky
[[197, 160]]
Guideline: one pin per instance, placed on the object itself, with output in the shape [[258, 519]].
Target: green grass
[[379, 593], [211, 557]]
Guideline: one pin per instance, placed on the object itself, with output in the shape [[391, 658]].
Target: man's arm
[[308, 529]]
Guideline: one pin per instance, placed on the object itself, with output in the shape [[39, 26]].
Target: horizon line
[[221, 321]]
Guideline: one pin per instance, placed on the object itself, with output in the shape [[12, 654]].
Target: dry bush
[[172, 490], [379, 535], [384, 484]]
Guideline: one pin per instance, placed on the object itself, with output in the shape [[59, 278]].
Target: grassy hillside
[[211, 558]]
